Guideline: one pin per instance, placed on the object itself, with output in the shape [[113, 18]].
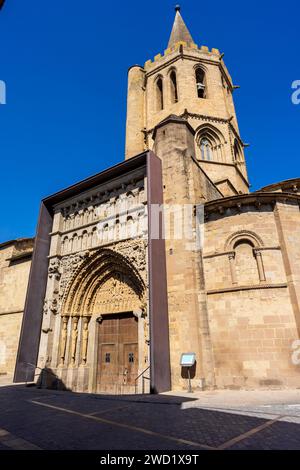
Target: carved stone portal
[[117, 294]]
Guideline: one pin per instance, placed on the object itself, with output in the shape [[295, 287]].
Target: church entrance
[[117, 365]]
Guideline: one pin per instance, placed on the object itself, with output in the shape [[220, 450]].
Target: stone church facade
[[112, 303]]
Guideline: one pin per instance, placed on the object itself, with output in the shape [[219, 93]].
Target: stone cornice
[[230, 252], [214, 255], [181, 56], [204, 117], [243, 288], [11, 312], [256, 199], [293, 183]]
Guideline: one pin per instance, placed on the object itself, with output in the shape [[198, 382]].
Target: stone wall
[[251, 270], [15, 261], [185, 185]]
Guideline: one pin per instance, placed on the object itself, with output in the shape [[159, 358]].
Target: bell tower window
[[200, 83], [159, 94], [173, 83]]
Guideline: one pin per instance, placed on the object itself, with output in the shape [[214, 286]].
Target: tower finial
[[179, 33]]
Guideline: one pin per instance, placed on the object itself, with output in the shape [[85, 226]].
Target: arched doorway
[[118, 357], [116, 302], [104, 308]]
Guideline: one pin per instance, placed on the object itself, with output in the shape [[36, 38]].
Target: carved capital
[[256, 252], [139, 313]]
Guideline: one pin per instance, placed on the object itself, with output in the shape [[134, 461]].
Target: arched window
[[117, 230], [246, 265], [200, 83], [95, 237], [75, 242], [76, 219], [159, 94], [210, 141], [173, 85], [206, 149], [64, 246], [237, 151], [84, 240]]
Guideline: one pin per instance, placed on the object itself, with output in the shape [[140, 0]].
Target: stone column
[[260, 265], [92, 354], [231, 258], [85, 340]]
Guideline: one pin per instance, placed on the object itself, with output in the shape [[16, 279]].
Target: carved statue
[[85, 339], [63, 340], [74, 337]]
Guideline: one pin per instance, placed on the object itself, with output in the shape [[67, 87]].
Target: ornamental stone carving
[[135, 253], [74, 337], [54, 269], [63, 339]]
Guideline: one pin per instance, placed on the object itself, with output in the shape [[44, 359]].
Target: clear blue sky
[[65, 65]]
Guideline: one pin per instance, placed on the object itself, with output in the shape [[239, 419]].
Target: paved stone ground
[[44, 419]]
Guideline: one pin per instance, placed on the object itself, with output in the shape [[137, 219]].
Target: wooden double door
[[117, 365]]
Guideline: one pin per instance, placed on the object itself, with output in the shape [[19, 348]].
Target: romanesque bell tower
[[191, 83]]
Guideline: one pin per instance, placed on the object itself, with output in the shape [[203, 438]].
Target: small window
[[107, 357], [173, 84], [131, 357], [159, 95], [200, 83]]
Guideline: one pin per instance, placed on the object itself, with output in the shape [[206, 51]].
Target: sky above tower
[[65, 65]]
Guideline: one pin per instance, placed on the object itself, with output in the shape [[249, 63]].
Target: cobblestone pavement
[[44, 419]]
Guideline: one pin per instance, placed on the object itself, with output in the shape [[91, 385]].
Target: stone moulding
[[227, 253], [242, 288], [250, 199], [247, 234]]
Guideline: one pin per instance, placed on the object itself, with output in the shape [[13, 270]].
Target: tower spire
[[180, 31]]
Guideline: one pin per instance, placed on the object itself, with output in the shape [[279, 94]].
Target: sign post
[[188, 360]]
